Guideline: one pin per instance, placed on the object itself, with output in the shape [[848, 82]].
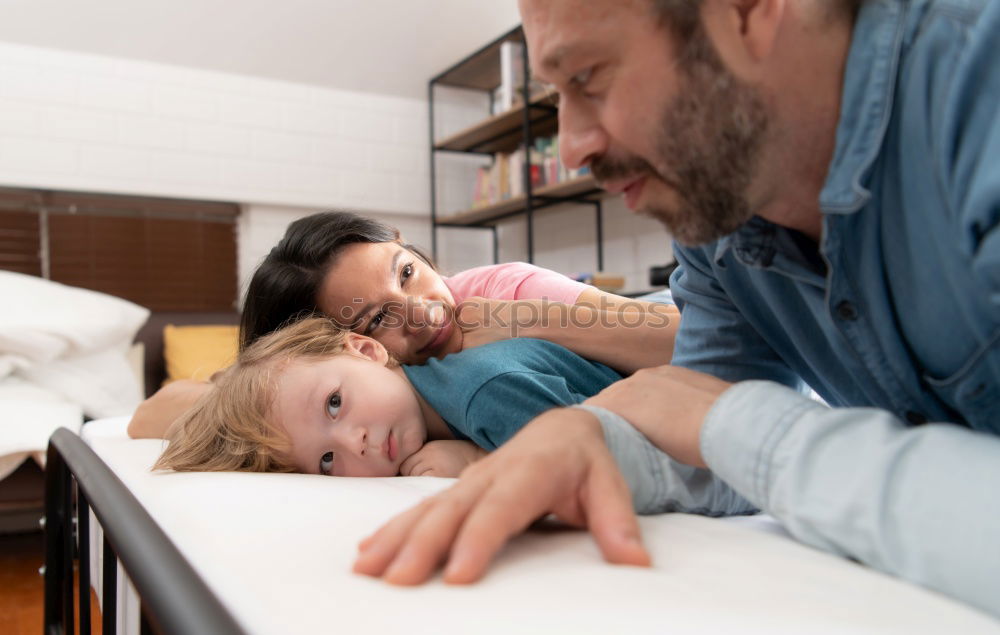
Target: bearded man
[[830, 171]]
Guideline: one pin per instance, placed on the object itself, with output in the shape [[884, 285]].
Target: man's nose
[[581, 139]]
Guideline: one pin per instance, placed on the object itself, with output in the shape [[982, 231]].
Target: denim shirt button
[[915, 418], [846, 311]]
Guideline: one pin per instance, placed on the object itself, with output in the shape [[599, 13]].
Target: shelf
[[502, 133], [481, 70], [505, 132], [577, 187]]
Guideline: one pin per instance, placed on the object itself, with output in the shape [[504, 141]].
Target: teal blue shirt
[[486, 394], [895, 321]]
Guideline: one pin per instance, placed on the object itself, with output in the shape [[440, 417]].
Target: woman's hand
[[484, 320], [441, 458]]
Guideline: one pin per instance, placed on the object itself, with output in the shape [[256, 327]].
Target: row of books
[[504, 178]]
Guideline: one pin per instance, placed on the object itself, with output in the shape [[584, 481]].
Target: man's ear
[[744, 32], [364, 346]]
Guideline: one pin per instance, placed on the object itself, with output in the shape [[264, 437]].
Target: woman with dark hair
[[360, 272], [285, 284]]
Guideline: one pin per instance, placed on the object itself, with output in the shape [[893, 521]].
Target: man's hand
[[668, 404], [558, 463], [442, 458]]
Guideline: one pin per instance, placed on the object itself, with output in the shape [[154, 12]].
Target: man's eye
[[326, 463], [582, 78], [333, 405]]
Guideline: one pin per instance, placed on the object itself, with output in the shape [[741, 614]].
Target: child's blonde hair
[[227, 430]]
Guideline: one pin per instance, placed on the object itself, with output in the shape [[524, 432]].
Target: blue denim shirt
[[895, 322]]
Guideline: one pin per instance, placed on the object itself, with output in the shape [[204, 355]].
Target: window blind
[[167, 255]]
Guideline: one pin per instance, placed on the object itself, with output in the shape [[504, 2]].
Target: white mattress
[[278, 549]]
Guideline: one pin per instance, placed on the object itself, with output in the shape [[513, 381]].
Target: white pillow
[[42, 320], [70, 341]]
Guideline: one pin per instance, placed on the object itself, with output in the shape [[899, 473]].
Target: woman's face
[[386, 292]]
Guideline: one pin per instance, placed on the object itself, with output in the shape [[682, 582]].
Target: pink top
[[514, 281]]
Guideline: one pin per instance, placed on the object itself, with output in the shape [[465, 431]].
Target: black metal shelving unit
[[519, 126]]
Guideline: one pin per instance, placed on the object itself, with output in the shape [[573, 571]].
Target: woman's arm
[[629, 334], [623, 333], [155, 415]]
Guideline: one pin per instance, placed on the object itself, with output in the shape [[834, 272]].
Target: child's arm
[[441, 458]]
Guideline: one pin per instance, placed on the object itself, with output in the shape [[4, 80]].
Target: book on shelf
[[510, 93], [504, 178], [511, 74]]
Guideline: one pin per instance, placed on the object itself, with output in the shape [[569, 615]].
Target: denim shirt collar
[[866, 104], [865, 110]]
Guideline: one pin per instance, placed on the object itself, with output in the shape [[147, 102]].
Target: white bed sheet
[[278, 548], [28, 417]]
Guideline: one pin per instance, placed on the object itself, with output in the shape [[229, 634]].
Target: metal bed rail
[[174, 598]]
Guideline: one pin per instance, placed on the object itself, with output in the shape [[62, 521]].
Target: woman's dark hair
[[285, 285]]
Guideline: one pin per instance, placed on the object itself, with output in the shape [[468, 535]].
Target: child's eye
[[326, 463], [333, 405]]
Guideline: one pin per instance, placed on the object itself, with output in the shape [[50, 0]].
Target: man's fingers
[[378, 550], [504, 511], [427, 543], [612, 521]]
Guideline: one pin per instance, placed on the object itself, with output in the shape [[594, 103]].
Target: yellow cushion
[[197, 352]]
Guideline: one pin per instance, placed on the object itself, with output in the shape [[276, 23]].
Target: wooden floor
[[22, 588]]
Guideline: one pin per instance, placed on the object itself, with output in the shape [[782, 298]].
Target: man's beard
[[707, 148]]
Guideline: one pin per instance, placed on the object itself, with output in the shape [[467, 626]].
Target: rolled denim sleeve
[[660, 484], [919, 503]]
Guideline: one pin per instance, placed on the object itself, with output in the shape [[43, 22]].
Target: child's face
[[349, 415]]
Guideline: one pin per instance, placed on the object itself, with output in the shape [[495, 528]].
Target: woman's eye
[[407, 272], [326, 463], [375, 322], [333, 405]]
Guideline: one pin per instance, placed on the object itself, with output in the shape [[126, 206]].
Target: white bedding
[[63, 354], [278, 548], [28, 417]]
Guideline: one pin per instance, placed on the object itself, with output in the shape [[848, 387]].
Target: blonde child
[[316, 399]]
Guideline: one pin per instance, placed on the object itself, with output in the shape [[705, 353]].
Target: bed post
[[57, 479], [175, 600]]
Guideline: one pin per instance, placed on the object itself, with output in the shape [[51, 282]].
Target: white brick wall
[[87, 122], [564, 241], [75, 121]]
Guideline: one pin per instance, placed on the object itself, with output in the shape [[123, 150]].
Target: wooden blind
[[165, 255], [20, 234]]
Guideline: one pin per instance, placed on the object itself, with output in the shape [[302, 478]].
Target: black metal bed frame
[[174, 598]]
